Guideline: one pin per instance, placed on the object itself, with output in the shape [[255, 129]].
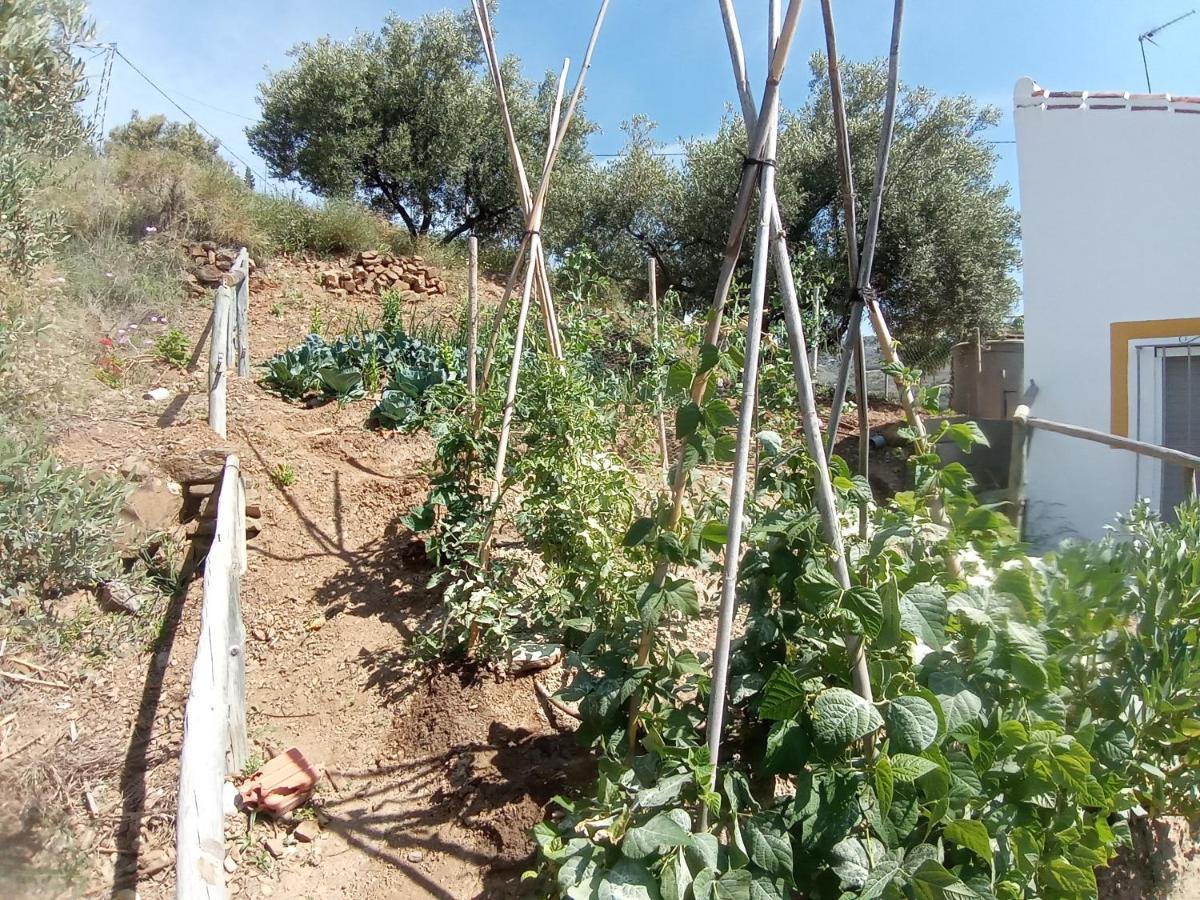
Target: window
[[1166, 386]]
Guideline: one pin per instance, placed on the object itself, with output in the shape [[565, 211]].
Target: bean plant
[[1022, 711]]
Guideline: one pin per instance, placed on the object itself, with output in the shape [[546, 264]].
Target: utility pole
[[1149, 36]]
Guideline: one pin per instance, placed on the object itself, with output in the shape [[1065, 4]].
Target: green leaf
[[679, 377], [868, 607], [639, 532], [851, 860], [710, 355], [906, 767], [972, 834], [1061, 878], [966, 435], [782, 696], [719, 416], [923, 614], [663, 832], [676, 593], [687, 420], [932, 881], [628, 880], [731, 885], [912, 724], [841, 717], [715, 532], [885, 784], [725, 448], [666, 791], [959, 704], [762, 888], [768, 845], [771, 443], [788, 749]]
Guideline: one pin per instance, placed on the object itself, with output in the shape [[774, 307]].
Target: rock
[[208, 274], [229, 798], [208, 246], [329, 279], [119, 595], [230, 865], [157, 394], [152, 508], [307, 831], [274, 846], [416, 855], [154, 862]]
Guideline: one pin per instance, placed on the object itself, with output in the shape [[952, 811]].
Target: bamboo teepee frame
[[530, 253]]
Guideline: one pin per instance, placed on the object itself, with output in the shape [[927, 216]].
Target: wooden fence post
[[218, 359], [1016, 468], [242, 264]]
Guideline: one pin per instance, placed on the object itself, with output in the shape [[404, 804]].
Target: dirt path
[[435, 778]]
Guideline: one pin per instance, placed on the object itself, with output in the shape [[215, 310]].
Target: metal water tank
[[987, 378]]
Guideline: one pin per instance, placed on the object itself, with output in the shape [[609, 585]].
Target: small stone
[[259, 634], [154, 862], [306, 832], [416, 855], [274, 846], [158, 393], [267, 890], [230, 865]]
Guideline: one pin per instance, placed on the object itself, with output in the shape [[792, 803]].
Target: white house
[[1110, 212]]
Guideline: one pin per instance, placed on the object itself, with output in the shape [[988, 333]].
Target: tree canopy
[[158, 133], [948, 239], [407, 120]]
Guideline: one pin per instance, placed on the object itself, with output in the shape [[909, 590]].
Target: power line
[[150, 81], [685, 153]]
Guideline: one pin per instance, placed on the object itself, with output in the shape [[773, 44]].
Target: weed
[[391, 318], [316, 324], [173, 348], [277, 310], [260, 859], [305, 812], [283, 475], [254, 762]]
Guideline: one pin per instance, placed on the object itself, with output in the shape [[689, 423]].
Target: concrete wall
[[1110, 210]]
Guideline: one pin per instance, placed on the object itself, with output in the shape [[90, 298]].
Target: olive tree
[[406, 119], [41, 81], [158, 133]]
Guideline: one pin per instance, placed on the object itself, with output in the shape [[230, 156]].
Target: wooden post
[[242, 316], [1016, 469], [472, 308], [218, 359], [664, 452], [214, 737], [1192, 486]]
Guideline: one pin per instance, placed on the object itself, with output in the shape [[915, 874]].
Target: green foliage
[[173, 349], [283, 475], [415, 130], [41, 81], [391, 317], [157, 133], [56, 521], [356, 365]]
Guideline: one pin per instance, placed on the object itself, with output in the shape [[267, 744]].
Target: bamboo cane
[[664, 452], [866, 260], [498, 319], [472, 309], [826, 504], [745, 434], [483, 20], [712, 333]]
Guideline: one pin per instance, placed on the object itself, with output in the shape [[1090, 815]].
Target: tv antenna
[[1150, 35]]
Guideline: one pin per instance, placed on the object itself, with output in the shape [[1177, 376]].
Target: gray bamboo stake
[[664, 451], [498, 319], [826, 504], [483, 20], [745, 434], [712, 333], [866, 261], [472, 309]]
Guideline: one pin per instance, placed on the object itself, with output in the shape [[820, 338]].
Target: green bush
[[111, 276], [56, 522]]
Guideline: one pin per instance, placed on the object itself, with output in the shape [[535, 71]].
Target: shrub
[[110, 276], [56, 522]]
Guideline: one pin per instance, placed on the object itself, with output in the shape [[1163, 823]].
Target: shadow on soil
[[471, 803]]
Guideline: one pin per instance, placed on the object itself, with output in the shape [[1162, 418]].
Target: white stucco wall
[[1110, 215]]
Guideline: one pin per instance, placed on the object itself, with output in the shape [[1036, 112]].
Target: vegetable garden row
[[911, 707]]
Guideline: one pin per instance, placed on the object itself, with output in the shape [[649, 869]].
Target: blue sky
[[665, 58]]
